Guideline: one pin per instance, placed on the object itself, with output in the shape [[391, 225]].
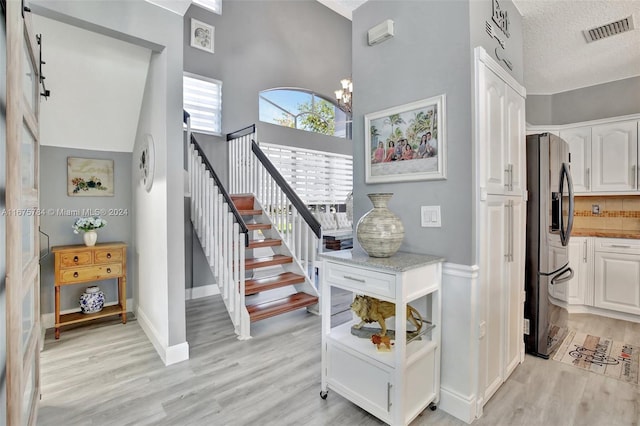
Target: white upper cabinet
[[502, 134], [604, 155], [615, 156], [579, 140]]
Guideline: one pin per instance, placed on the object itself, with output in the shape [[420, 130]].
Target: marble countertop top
[[399, 262], [605, 233]]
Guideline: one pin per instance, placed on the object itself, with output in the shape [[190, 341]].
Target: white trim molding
[[554, 128], [168, 354], [459, 364], [198, 292], [594, 310]]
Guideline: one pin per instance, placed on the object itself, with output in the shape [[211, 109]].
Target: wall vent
[[608, 30]]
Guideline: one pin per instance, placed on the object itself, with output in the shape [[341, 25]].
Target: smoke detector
[[620, 26]]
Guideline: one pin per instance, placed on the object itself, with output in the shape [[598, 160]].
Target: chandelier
[[345, 94]]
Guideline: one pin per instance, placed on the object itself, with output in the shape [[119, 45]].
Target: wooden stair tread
[[260, 262], [267, 242], [257, 226], [243, 201], [250, 212], [269, 283], [276, 307]]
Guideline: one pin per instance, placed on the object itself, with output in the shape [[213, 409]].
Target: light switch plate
[[430, 217]]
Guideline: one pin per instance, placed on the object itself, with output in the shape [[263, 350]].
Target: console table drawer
[[361, 280], [78, 258], [107, 256], [90, 273]]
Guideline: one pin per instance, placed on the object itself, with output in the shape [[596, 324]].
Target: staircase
[[260, 242], [283, 270]]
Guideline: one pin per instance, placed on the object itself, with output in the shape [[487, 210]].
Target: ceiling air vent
[[603, 31]]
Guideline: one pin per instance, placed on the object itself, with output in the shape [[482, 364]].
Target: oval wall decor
[[147, 162]]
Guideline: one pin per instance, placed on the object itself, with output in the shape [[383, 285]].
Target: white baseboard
[[49, 320], [168, 354], [176, 354], [593, 310], [459, 406], [201, 291]]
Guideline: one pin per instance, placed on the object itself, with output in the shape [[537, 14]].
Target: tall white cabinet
[[500, 153]]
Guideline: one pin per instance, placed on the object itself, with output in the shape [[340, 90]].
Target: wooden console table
[[81, 264]]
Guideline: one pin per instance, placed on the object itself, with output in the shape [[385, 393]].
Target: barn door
[[22, 221]]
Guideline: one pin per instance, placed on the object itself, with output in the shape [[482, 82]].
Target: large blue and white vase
[[92, 300], [380, 232]]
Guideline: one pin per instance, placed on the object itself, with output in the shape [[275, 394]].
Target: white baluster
[[240, 300]]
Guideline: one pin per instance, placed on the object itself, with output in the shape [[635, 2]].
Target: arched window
[[305, 110]]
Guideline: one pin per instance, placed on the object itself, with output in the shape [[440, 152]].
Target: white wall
[[96, 84], [149, 211], [158, 215]]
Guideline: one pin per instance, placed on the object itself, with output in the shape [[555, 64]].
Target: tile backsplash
[[620, 213]]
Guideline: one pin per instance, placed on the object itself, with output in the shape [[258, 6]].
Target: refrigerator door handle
[[548, 274], [565, 232], [559, 279]]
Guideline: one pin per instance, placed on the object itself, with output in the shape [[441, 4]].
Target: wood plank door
[[22, 222]]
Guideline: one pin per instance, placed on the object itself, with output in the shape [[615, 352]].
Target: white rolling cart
[[395, 386]]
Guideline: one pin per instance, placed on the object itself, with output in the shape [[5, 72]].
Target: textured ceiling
[[557, 57]]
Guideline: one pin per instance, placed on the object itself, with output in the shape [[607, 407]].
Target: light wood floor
[[109, 374]]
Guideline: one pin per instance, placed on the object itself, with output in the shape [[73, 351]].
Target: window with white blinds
[[202, 99], [318, 177]]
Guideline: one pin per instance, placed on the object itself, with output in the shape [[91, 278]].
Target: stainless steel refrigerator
[[549, 221]]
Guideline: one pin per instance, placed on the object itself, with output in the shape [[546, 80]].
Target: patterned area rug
[[600, 355]]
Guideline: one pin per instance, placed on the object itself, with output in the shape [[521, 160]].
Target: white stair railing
[[251, 172], [223, 236]]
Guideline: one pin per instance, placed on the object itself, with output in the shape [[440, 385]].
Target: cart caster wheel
[[433, 407], [323, 394]]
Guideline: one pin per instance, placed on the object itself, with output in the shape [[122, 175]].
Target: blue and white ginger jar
[[92, 300]]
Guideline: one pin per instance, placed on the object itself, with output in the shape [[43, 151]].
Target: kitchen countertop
[[604, 233]]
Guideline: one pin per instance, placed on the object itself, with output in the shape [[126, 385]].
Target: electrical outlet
[[595, 208], [430, 217]]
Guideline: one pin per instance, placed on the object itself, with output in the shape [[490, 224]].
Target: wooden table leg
[[122, 295], [57, 331]]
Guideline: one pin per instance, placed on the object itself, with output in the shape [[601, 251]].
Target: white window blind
[[318, 177], [202, 99]]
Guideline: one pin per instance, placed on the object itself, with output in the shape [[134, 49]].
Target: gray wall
[[266, 44], [261, 45], [53, 195], [415, 64], [481, 13], [605, 100], [3, 156]]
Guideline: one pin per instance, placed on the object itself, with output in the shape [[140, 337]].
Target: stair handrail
[[286, 188], [223, 191], [242, 132]]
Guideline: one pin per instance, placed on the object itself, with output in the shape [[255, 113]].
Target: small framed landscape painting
[[407, 142], [89, 177]]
